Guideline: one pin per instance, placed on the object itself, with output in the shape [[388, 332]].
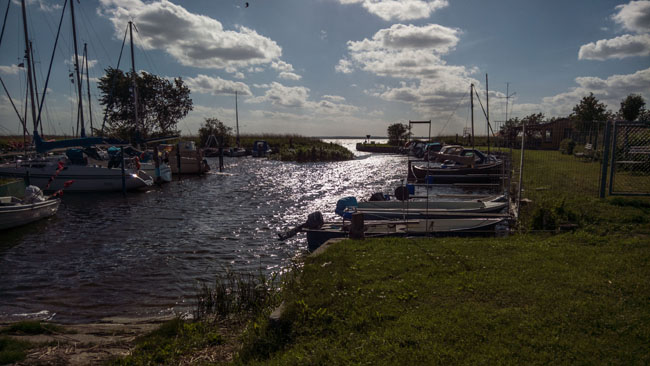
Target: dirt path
[[88, 344]]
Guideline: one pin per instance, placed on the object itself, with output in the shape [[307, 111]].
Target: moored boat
[[15, 212]]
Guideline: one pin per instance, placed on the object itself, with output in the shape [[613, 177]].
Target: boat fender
[[402, 193], [344, 203]]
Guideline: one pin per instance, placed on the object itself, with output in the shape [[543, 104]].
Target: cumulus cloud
[[298, 97], [214, 85], [404, 51], [82, 62], [289, 76], [619, 47], [192, 39], [634, 16], [609, 91], [10, 70], [400, 9]]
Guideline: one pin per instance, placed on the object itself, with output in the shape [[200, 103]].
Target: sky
[[339, 67]]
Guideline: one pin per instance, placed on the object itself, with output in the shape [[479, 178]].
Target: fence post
[[606, 151], [613, 166], [521, 167]]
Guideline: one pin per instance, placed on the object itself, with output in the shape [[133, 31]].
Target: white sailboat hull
[[85, 178]]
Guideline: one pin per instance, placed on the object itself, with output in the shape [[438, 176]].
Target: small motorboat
[[16, 212], [429, 209], [402, 228]]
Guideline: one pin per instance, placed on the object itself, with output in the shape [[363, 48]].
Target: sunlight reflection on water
[[105, 255]]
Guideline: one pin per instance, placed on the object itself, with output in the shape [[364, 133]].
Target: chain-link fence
[[630, 164]]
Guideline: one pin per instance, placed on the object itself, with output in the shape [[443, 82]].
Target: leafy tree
[[589, 110], [397, 134], [212, 126], [161, 104], [631, 107]]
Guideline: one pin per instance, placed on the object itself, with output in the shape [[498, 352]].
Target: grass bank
[[300, 148]]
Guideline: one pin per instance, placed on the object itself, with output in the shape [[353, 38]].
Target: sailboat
[[70, 170], [236, 151]]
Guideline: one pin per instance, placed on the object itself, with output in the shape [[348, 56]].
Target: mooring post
[[356, 226], [123, 172], [156, 161], [178, 158], [221, 153]]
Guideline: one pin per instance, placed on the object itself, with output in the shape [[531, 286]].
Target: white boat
[[85, 178], [389, 210], [191, 159], [16, 212], [383, 228], [164, 170]]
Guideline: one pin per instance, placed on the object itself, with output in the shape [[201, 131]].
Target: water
[[105, 255]]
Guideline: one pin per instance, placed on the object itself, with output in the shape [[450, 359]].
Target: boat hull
[[394, 228], [14, 215], [490, 173], [85, 178]]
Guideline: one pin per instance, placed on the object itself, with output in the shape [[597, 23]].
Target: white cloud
[[609, 91], [10, 70], [400, 9], [281, 66], [284, 96], [214, 85], [82, 62], [634, 16], [298, 97], [239, 75], [403, 51], [289, 76], [192, 39]]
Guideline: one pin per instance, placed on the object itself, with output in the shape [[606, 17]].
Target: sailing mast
[[487, 114], [471, 103], [90, 111], [76, 69], [237, 118], [133, 74], [29, 65]]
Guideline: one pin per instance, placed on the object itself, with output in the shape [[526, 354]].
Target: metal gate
[[630, 156]]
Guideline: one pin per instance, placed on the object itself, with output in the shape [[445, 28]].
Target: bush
[[566, 146]]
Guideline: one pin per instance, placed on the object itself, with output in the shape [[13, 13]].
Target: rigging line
[[484, 113], [22, 121], [146, 56], [4, 23], [452, 113], [49, 71], [113, 82]]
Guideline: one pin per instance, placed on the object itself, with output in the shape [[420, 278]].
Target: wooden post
[[123, 172], [356, 226], [156, 161], [178, 158]]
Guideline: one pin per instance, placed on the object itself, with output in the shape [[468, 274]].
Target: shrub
[[566, 146]]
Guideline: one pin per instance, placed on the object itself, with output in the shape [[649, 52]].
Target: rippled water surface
[[106, 255]]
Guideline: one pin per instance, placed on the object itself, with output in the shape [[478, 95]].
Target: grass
[[12, 350], [566, 299], [299, 148], [32, 327]]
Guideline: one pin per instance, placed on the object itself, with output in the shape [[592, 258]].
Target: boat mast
[[29, 64], [471, 103], [487, 114], [76, 69], [237, 118], [133, 75], [90, 111]]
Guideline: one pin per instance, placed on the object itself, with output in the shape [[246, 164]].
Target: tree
[[161, 104], [631, 107], [589, 110], [397, 134], [213, 126]]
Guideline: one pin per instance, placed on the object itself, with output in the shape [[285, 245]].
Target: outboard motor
[[378, 196], [402, 193], [314, 220]]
